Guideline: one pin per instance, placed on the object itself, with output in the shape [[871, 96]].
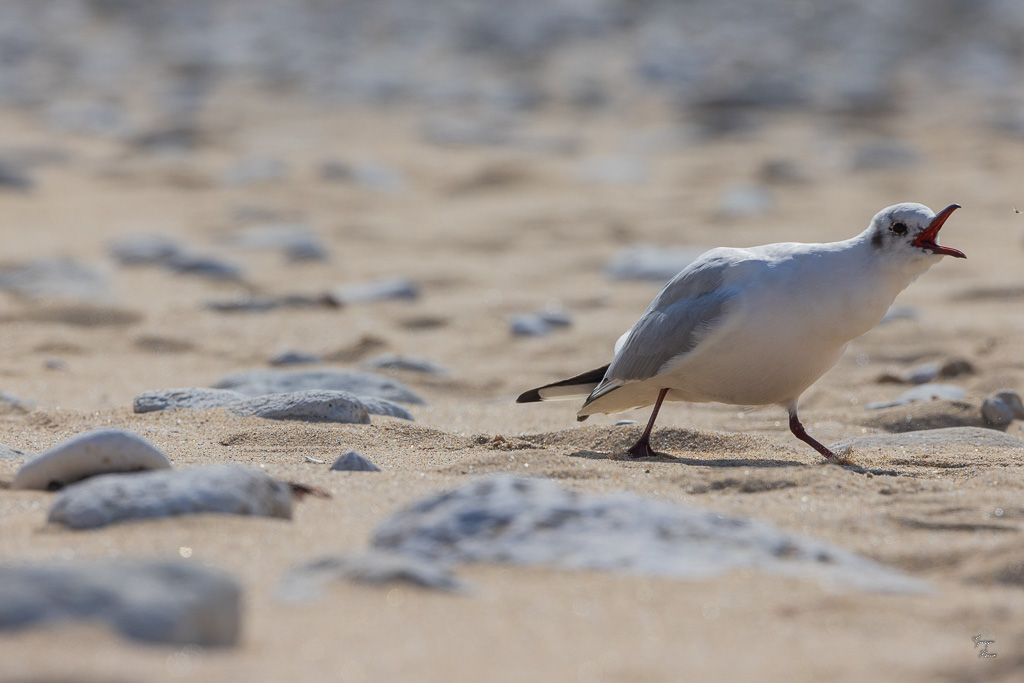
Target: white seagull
[[758, 326]]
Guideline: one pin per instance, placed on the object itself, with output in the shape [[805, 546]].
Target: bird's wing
[[689, 307]]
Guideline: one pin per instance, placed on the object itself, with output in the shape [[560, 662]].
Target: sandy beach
[[488, 232]]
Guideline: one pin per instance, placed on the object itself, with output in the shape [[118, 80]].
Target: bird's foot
[[642, 449]]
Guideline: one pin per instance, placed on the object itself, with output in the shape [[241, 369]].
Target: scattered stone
[[91, 118], [368, 174], [54, 278], [98, 452], [528, 325], [922, 394], [225, 489], [520, 521], [309, 405], [295, 358], [930, 415], [308, 581], [199, 398], [555, 318], [883, 154], [364, 346], [394, 361], [177, 603], [14, 178], [204, 265], [10, 453], [613, 170], [135, 250], [741, 201], [55, 364], [387, 289], [955, 441], [298, 242], [248, 304], [259, 382], [353, 462], [926, 372], [625, 422], [651, 262], [1002, 408], [782, 172], [256, 170]]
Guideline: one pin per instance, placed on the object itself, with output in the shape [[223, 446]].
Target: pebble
[[922, 394], [54, 277], [135, 250], [311, 405], [105, 119], [199, 398], [382, 406], [11, 404], [1002, 408], [98, 452], [307, 581], [353, 462], [513, 520], [259, 382], [368, 174], [295, 358], [625, 422], [613, 170], [926, 372], [394, 361], [387, 289], [175, 603], [11, 453], [528, 325], [204, 265], [248, 304], [297, 241], [555, 318], [256, 170], [651, 262], [12, 177], [742, 200], [224, 489]]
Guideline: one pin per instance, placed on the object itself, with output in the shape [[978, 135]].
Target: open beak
[[926, 240]]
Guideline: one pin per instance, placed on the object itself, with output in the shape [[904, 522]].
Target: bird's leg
[[642, 448], [801, 433]]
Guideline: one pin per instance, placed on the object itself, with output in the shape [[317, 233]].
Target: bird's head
[[910, 232]]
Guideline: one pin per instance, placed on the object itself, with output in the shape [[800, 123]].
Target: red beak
[[926, 240]]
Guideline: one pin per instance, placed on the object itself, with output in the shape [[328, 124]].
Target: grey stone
[[528, 325], [625, 422], [296, 241], [883, 154], [613, 170], [259, 382], [248, 304], [11, 453], [11, 404], [196, 398], [512, 520], [311, 405], [14, 178], [953, 441], [382, 406], [1002, 408], [97, 452], [54, 278], [203, 265], [353, 462], [393, 361], [387, 289], [307, 582], [742, 200], [295, 358], [926, 372], [921, 394], [224, 489], [105, 119], [133, 250], [555, 318], [176, 603], [256, 170], [651, 262]]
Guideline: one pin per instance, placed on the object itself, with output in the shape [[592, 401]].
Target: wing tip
[[531, 396]]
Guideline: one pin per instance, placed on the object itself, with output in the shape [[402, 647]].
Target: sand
[[489, 232]]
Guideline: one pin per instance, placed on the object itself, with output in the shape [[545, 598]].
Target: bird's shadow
[[665, 457]]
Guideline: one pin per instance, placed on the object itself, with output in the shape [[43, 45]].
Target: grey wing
[[679, 318]]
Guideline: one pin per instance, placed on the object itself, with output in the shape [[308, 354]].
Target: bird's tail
[[578, 387]]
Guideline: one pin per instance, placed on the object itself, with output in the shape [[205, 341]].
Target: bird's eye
[[898, 228]]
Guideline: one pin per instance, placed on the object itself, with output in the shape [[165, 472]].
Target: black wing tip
[[531, 396], [582, 418]]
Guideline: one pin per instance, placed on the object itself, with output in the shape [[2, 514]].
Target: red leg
[[642, 448], [800, 433]]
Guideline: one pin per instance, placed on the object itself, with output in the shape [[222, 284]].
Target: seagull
[[758, 326]]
